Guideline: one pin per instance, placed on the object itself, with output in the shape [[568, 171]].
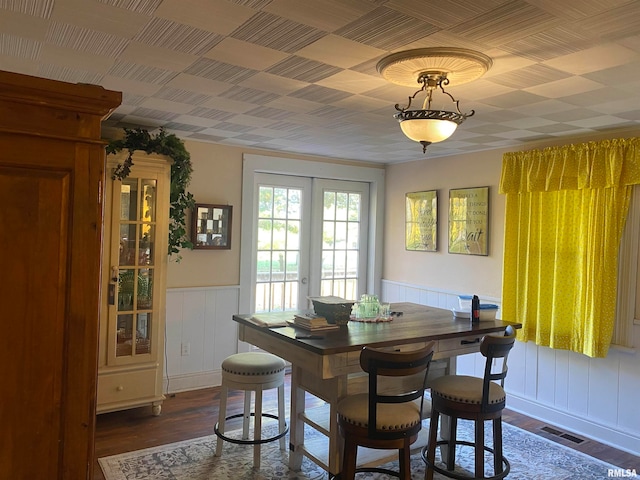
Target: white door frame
[[253, 164]]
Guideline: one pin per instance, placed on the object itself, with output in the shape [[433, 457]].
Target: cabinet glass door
[[137, 232]]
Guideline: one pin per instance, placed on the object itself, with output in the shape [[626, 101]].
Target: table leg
[[445, 424], [296, 425]]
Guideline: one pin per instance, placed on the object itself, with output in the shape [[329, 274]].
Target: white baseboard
[[192, 381], [585, 427]]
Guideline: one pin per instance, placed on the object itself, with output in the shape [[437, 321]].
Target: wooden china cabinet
[[51, 179], [134, 264]]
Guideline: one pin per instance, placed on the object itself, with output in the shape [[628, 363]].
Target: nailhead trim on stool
[[252, 371]]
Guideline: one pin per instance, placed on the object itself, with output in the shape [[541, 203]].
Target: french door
[[309, 239]]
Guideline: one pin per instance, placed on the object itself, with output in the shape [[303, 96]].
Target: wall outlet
[[186, 349]]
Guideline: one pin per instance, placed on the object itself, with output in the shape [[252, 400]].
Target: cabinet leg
[[156, 408]]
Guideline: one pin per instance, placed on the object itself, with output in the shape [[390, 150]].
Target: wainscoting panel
[[596, 398], [200, 335]]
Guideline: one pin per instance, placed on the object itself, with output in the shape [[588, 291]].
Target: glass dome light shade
[[430, 130]]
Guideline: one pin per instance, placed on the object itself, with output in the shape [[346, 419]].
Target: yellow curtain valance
[[604, 164]]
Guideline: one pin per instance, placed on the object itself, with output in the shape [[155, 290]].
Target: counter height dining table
[[328, 366]]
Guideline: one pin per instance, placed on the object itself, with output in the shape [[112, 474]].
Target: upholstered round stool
[[252, 372]]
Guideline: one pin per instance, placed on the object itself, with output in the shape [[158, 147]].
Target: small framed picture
[[469, 221], [421, 221], [211, 226]]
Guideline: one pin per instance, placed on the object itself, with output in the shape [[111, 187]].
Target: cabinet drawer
[[461, 344], [126, 386]]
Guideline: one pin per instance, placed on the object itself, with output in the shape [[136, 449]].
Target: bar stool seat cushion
[[253, 367], [466, 389], [391, 417]]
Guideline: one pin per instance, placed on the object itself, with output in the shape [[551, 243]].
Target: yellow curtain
[[565, 212]]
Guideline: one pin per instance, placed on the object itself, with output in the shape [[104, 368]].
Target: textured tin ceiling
[[300, 75]]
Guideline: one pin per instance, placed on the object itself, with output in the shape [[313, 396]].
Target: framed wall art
[[421, 221], [469, 221], [211, 226]]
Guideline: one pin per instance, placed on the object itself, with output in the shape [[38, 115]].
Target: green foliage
[[180, 199]]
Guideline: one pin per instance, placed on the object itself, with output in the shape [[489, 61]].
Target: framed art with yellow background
[[469, 221], [421, 221]]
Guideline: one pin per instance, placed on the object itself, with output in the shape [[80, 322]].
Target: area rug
[[532, 458]]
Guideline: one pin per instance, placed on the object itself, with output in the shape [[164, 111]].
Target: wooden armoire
[[51, 190]]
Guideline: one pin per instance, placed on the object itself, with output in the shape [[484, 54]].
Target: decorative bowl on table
[[335, 309]]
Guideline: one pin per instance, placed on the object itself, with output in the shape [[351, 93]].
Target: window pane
[[265, 202], [354, 207], [293, 266], [352, 264], [277, 296], [341, 235], [294, 208], [342, 200], [279, 234], [277, 266], [264, 266], [353, 235], [329, 206], [280, 197], [293, 235], [327, 264], [328, 235], [264, 234]]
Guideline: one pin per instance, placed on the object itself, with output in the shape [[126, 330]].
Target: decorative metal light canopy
[[433, 68]]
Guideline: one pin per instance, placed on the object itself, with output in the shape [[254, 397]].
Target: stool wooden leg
[[247, 415], [282, 424], [451, 451], [431, 446], [497, 446], [222, 413], [349, 460], [479, 452], [404, 461], [257, 428]]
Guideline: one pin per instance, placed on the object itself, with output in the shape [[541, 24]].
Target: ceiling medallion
[[433, 68]]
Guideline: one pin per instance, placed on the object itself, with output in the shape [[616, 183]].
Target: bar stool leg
[[257, 428], [247, 415], [497, 446], [222, 414], [479, 449], [281, 419]]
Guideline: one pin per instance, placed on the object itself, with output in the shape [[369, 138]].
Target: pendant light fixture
[[433, 69]]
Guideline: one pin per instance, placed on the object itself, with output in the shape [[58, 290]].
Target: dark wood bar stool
[[387, 417], [471, 398]]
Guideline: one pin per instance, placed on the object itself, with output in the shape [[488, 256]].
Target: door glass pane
[[137, 231], [340, 244], [145, 289], [148, 203], [278, 248], [127, 244], [126, 290], [143, 333], [124, 345], [129, 199]]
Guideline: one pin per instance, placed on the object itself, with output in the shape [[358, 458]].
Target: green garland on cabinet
[[180, 199]]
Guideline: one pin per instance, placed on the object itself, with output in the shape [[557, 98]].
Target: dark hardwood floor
[[193, 414]]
